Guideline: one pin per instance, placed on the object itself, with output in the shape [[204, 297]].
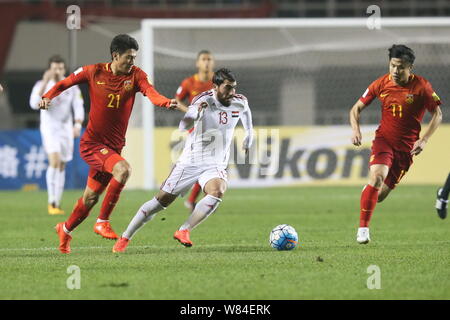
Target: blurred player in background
[[404, 97], [112, 89], [442, 199], [57, 128], [1, 88], [213, 114], [189, 88]]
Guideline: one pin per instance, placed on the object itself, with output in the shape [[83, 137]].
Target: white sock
[[61, 180], [145, 213], [100, 220], [202, 210], [51, 176]]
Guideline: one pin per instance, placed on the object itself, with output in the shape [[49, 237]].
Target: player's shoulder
[[421, 81], [188, 81], [382, 80], [204, 96], [240, 100]]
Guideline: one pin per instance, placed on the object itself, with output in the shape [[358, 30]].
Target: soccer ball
[[283, 237]]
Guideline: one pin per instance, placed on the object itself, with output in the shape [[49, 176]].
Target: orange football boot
[[64, 238], [104, 229], [120, 245], [183, 236]]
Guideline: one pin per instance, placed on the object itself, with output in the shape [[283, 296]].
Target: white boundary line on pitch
[[133, 247]]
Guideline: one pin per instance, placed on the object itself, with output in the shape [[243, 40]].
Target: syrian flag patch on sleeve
[[235, 114]]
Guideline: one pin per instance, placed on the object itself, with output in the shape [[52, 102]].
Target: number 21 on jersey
[[114, 100]]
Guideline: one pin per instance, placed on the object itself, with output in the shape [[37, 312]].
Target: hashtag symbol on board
[[35, 162]]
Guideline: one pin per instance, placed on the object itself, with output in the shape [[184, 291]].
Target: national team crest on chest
[[409, 98], [128, 85], [235, 114]]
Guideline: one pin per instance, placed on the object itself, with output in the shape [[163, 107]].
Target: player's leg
[[214, 184], [60, 181], [80, 212], [120, 171], [145, 213], [383, 193], [191, 201], [52, 176], [442, 199], [178, 182], [369, 199]]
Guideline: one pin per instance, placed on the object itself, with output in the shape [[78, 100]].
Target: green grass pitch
[[231, 257]]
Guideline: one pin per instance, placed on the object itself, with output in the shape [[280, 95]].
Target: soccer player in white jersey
[[214, 114], [58, 128]]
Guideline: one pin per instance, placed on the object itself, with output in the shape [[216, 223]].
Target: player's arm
[[194, 113], [247, 123], [181, 96], [79, 76], [147, 89], [435, 121], [355, 115], [78, 111], [35, 97], [358, 107]]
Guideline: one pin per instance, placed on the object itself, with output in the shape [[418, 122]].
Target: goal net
[[295, 72]]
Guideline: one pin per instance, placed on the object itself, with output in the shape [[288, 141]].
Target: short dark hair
[[221, 75], [122, 43], [55, 59], [401, 51], [204, 51]]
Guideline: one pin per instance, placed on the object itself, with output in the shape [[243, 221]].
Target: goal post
[[295, 72]]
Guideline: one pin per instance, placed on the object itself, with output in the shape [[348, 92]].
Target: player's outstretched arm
[[355, 114], [79, 76], [435, 121], [181, 106], [247, 123]]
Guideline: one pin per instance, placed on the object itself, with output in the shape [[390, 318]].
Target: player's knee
[[122, 171], [90, 199], [165, 199], [377, 180]]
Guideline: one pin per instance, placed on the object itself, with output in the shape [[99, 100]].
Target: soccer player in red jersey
[[404, 99], [112, 89], [189, 88]]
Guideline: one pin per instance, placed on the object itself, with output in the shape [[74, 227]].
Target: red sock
[[111, 198], [195, 192], [369, 198], [79, 213]]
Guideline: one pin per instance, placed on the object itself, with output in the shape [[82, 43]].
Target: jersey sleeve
[[78, 104], [183, 90], [247, 123], [431, 99], [34, 97], [81, 75], [146, 88], [371, 93]]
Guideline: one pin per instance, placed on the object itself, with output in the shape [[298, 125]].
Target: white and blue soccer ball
[[283, 237]]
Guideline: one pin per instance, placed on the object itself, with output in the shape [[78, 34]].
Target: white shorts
[[183, 177], [58, 139]]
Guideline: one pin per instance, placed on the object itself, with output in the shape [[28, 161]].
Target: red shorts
[[101, 160], [397, 161]]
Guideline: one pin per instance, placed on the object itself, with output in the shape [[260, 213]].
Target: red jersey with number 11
[[403, 108], [112, 98]]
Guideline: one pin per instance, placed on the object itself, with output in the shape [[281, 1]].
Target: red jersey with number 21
[[402, 107], [112, 98]]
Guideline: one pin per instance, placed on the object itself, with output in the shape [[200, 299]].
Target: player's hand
[[173, 104], [356, 138], [419, 145], [44, 104], [76, 131], [48, 75]]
